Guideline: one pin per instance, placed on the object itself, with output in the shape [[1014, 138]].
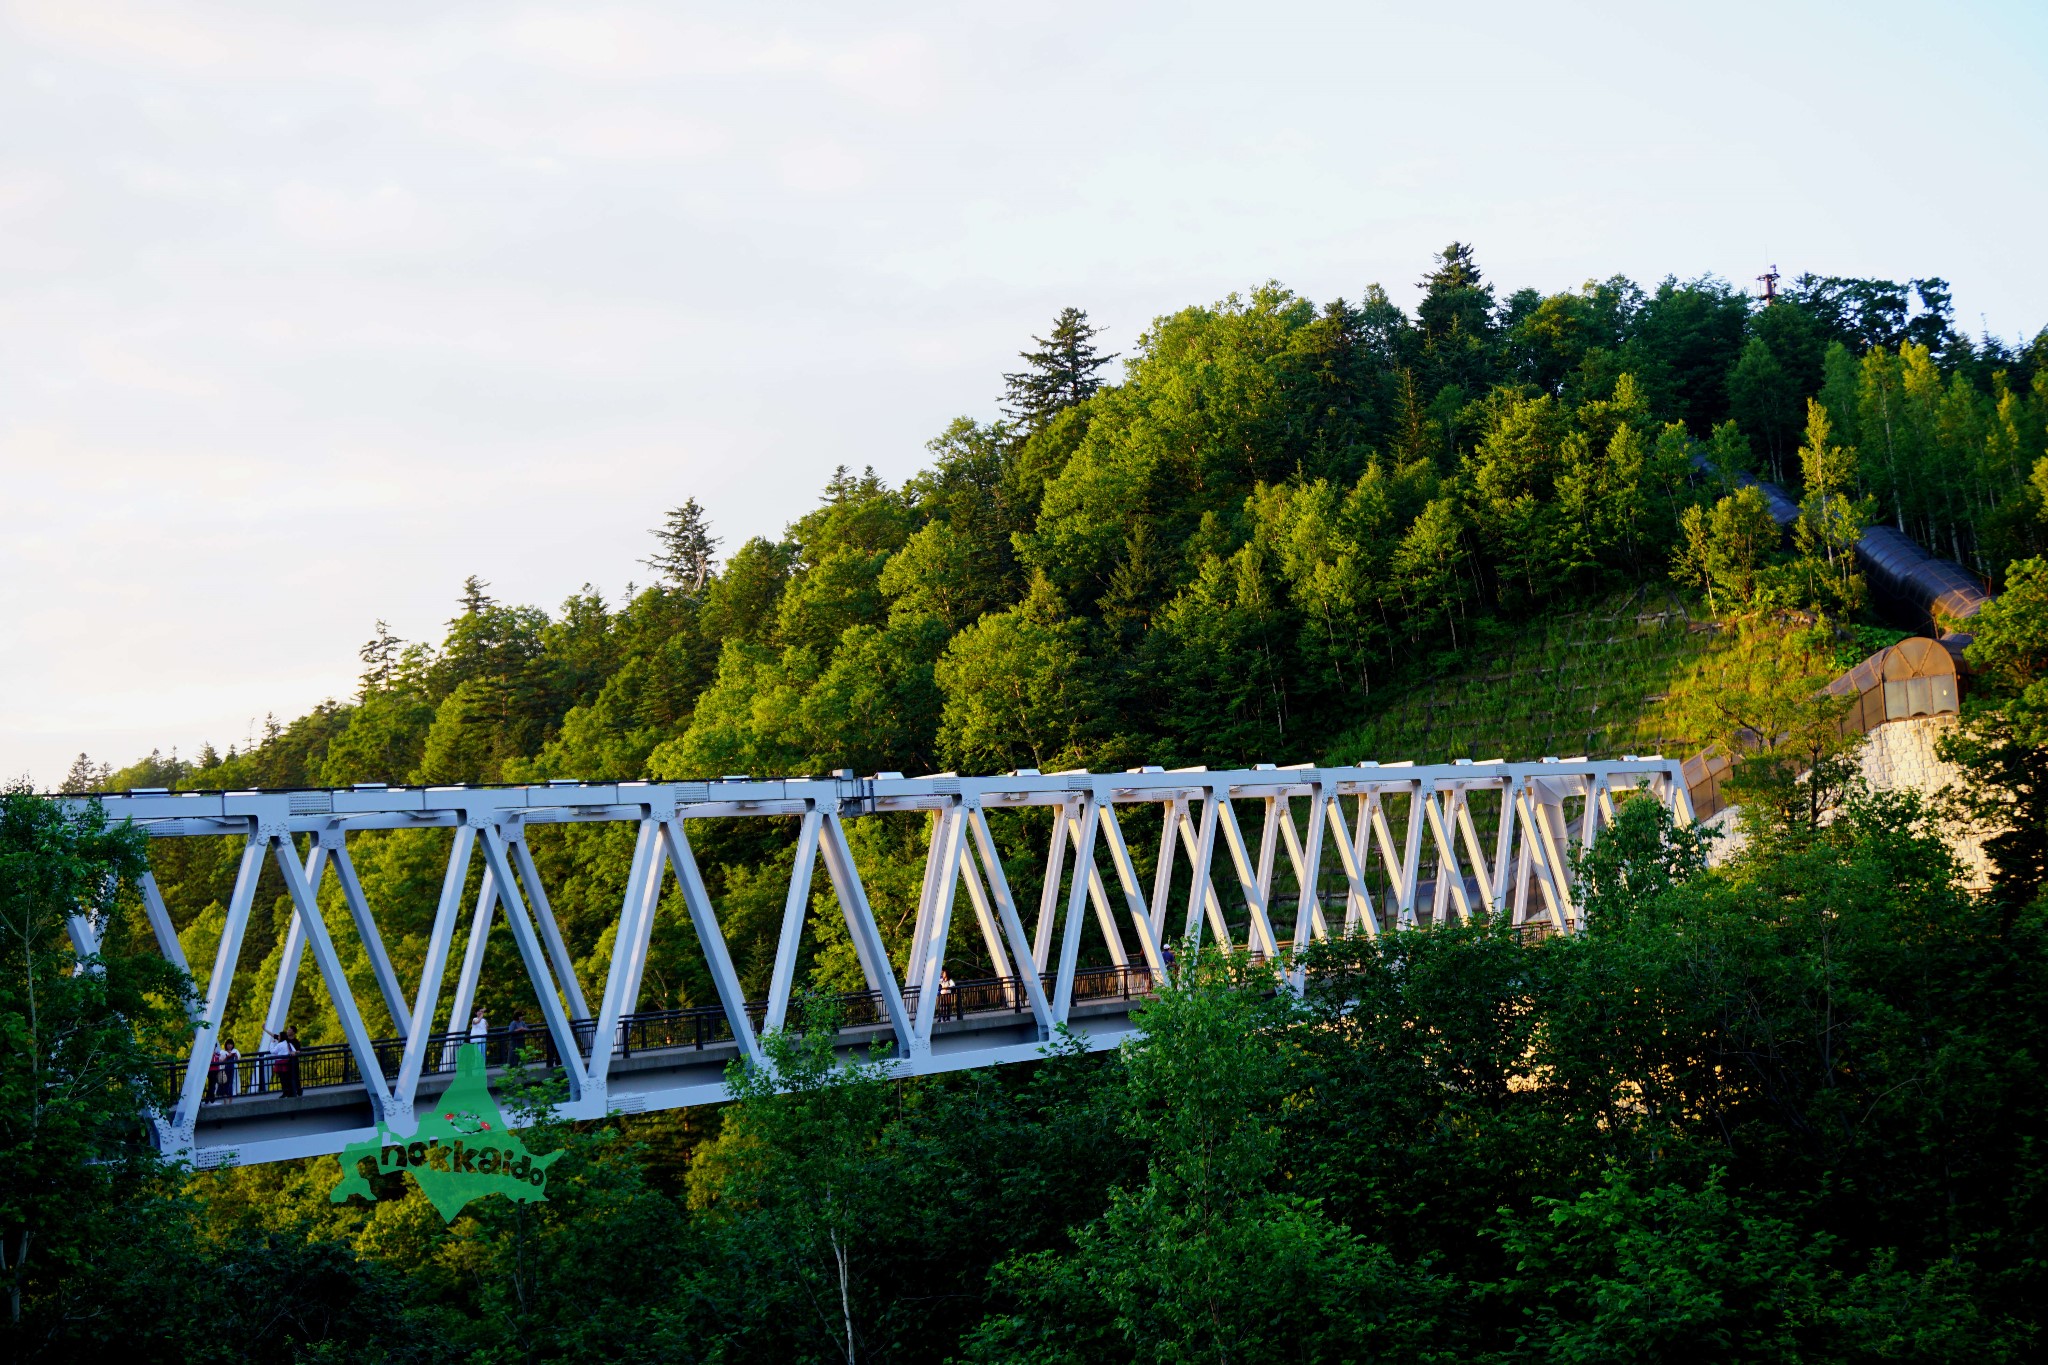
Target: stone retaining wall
[[1900, 757], [1896, 756]]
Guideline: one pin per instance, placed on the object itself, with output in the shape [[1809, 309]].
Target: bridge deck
[[660, 1060]]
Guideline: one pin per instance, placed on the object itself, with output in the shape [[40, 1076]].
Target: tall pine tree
[[1059, 374], [1456, 323], [688, 549]]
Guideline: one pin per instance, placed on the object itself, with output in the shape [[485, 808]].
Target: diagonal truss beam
[[867, 935], [782, 980], [531, 953], [406, 1087], [219, 983], [1012, 922], [338, 989], [550, 932]]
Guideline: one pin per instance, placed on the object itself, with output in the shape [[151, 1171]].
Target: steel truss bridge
[[1381, 847]]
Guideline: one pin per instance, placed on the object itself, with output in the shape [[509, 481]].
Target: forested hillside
[[1223, 558], [1787, 1109]]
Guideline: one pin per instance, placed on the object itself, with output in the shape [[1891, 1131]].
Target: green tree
[[1427, 568], [740, 604], [1020, 689], [1831, 518], [79, 1077], [382, 655], [978, 488], [688, 551], [1691, 334], [2009, 634], [875, 707], [747, 721], [1761, 699], [1222, 653], [85, 777], [797, 1184], [1726, 548], [1625, 1274], [1779, 366], [1212, 1257], [383, 740], [837, 593], [2002, 743], [1455, 321], [1060, 374], [933, 576], [1765, 401], [1547, 339]]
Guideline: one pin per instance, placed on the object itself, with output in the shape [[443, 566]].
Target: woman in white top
[[479, 1028], [283, 1064]]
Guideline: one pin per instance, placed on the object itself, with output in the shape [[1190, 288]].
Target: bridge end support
[[173, 1142]]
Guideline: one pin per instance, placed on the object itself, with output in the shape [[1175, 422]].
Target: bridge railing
[[694, 1028], [254, 1074]]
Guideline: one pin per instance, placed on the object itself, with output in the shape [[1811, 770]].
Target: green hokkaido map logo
[[463, 1151]]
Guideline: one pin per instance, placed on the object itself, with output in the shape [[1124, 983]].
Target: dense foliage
[[1787, 1108]]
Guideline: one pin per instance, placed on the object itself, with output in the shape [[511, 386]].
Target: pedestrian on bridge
[[284, 1061], [480, 1031], [949, 1002], [230, 1070], [515, 1037]]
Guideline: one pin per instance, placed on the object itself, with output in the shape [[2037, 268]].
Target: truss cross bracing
[[1368, 849]]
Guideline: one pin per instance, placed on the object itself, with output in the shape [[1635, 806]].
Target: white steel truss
[[1408, 851]]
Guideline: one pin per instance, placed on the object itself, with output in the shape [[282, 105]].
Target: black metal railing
[[310, 1068], [329, 1065]]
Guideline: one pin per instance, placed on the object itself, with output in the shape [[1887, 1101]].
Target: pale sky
[[309, 311]]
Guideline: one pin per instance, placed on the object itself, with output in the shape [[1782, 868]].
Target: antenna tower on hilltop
[[1769, 280]]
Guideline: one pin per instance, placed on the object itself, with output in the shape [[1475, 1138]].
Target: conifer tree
[[1455, 296], [86, 776], [1060, 374], [688, 549], [380, 657], [1765, 401], [1456, 322], [476, 598]]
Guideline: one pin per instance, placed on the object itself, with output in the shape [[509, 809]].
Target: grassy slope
[[1593, 681]]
